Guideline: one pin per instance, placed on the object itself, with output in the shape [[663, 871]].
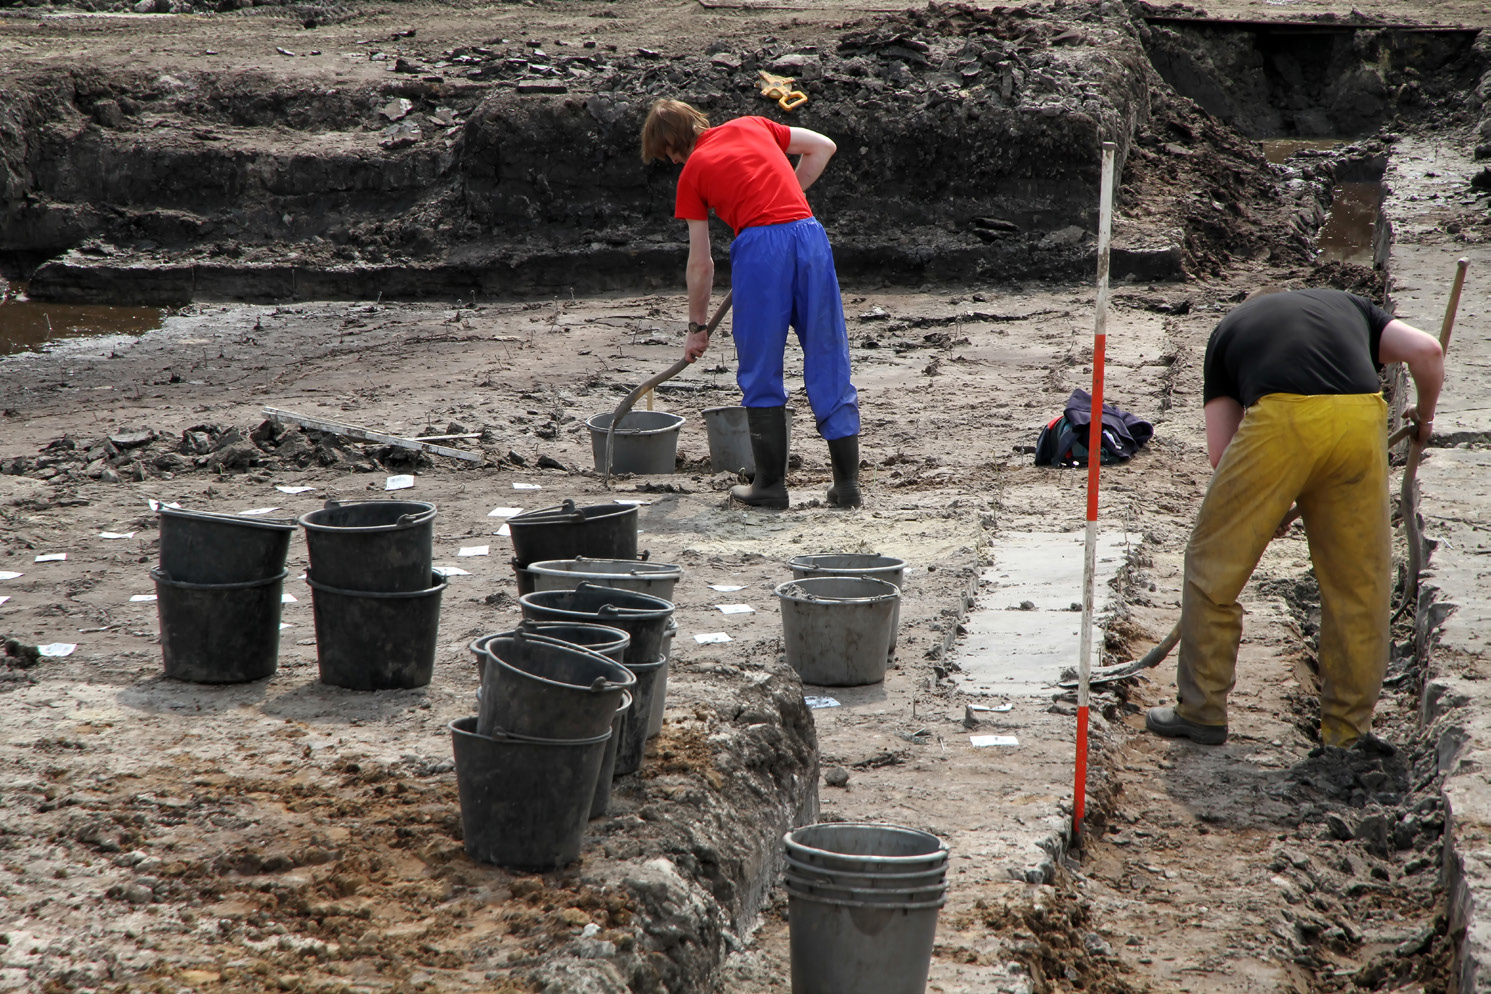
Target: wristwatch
[[696, 326]]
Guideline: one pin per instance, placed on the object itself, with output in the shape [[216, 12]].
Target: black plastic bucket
[[549, 689], [367, 640], [205, 547], [644, 617], [219, 632], [604, 639], [527, 582], [525, 802], [383, 546], [602, 800], [634, 728], [600, 531]]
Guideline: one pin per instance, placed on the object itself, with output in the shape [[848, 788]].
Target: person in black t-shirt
[[1295, 414]]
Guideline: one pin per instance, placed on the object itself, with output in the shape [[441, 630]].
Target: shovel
[[1408, 504], [667, 374]]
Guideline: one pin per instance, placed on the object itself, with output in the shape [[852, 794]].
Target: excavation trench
[[968, 157]]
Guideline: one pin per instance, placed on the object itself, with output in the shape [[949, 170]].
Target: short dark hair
[[671, 125]]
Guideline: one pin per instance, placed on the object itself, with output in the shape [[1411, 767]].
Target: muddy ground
[[286, 835]]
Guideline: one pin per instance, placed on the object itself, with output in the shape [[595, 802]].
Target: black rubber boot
[[844, 454], [768, 427]]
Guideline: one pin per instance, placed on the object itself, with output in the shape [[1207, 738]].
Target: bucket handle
[[331, 504]]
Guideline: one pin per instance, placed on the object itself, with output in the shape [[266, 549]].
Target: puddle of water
[[30, 326], [1351, 223], [1276, 150]]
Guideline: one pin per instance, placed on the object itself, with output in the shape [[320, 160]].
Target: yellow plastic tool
[[779, 88]]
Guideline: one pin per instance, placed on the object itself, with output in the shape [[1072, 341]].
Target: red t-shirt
[[741, 170]]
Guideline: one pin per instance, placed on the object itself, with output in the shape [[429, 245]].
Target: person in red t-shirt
[[781, 273]]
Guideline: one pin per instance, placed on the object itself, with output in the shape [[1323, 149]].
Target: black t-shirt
[[1303, 341]]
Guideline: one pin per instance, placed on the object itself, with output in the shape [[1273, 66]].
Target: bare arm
[[700, 276], [1223, 415], [1402, 342], [815, 150]]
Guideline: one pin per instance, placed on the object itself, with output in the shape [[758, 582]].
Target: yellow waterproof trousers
[[1328, 453]]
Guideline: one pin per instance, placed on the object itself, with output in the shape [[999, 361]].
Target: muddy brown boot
[[843, 453], [768, 427]]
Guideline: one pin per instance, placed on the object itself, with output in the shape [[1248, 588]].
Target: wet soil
[[288, 836]]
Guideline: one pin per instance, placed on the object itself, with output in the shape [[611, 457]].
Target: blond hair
[[671, 126]]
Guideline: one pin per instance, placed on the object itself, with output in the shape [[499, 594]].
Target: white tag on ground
[[6, 574], [821, 702], [284, 625], [260, 510], [156, 505], [985, 707], [292, 490], [475, 550], [504, 512], [527, 486], [710, 638], [51, 557], [57, 649], [4, 598], [735, 609], [398, 483], [116, 534], [632, 501], [726, 588], [288, 599], [504, 531], [142, 598], [452, 571], [980, 741]]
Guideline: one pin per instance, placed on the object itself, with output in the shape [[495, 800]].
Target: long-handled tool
[[667, 374], [1408, 503]]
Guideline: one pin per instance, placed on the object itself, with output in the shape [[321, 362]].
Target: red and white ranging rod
[[1094, 464]]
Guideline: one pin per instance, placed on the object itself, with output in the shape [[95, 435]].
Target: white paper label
[[821, 702], [284, 625], [504, 512], [142, 598], [475, 550], [526, 486], [292, 490], [504, 532], [399, 483], [6, 574], [260, 510], [632, 501], [51, 557], [4, 599], [735, 609], [980, 741], [57, 649], [156, 505], [116, 534], [288, 599], [452, 571], [711, 638], [726, 588]]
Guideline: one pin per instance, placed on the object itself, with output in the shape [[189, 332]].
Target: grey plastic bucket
[[382, 546], [837, 629], [860, 947], [657, 579], [660, 692], [602, 800], [219, 632], [887, 568], [206, 547], [644, 617], [865, 847], [525, 801], [634, 729], [549, 689], [371, 640], [644, 442], [730, 440], [602, 531], [868, 895]]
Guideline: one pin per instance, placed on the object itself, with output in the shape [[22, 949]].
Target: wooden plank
[[367, 435]]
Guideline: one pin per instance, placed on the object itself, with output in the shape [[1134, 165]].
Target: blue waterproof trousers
[[783, 275]]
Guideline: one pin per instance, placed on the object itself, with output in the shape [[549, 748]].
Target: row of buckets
[[647, 441], [375, 595]]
